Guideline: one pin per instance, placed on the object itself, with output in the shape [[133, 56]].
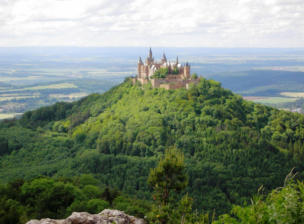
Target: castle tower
[[139, 67], [187, 71], [150, 59], [164, 59]]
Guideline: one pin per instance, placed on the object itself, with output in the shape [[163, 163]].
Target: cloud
[[214, 23]]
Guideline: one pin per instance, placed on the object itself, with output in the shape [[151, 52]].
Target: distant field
[[292, 94], [283, 68], [262, 83], [69, 96], [270, 100], [43, 87], [53, 86], [15, 100], [8, 116], [8, 98]]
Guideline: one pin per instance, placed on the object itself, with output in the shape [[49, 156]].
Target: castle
[[163, 74]]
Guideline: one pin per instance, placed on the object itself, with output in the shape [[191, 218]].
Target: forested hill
[[231, 146]]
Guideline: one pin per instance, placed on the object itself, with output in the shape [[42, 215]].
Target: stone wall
[[171, 82]]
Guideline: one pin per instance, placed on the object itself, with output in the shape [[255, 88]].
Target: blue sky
[[168, 23]]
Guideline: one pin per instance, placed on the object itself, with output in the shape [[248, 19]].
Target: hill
[[231, 146]]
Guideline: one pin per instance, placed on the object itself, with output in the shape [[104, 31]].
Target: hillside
[[231, 146]]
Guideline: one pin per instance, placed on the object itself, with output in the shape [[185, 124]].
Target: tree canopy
[[231, 146]]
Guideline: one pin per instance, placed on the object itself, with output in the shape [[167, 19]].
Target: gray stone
[[107, 216]]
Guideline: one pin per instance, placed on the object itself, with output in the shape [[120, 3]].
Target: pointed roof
[[164, 58], [150, 53], [140, 61], [177, 60]]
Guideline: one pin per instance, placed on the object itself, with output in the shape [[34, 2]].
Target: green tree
[[3, 146], [161, 73], [282, 205], [194, 76], [169, 176]]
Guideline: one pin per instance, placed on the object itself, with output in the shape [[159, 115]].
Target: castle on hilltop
[[164, 74]]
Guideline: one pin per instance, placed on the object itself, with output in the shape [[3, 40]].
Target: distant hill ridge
[[231, 146]]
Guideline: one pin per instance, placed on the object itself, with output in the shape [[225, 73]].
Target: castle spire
[[140, 61], [176, 60], [164, 59]]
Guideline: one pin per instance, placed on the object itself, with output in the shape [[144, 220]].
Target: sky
[[164, 23]]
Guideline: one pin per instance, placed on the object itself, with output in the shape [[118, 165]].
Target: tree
[[3, 146], [194, 76], [161, 73], [169, 176]]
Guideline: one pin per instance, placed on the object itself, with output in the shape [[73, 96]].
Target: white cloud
[[219, 23]]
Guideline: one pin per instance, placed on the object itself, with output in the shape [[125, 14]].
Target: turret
[[187, 71], [164, 59], [150, 58], [140, 61], [139, 67]]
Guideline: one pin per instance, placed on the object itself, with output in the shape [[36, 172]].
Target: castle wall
[[174, 77], [167, 83]]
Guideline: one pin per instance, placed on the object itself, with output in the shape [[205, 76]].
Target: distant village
[[164, 74]]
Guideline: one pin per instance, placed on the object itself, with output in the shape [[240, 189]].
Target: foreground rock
[[107, 216]]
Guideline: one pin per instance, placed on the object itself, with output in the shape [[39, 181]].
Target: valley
[[35, 77]]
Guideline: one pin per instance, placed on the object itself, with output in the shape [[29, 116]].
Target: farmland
[[35, 77]]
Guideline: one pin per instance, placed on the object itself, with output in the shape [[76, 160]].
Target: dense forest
[[232, 147], [42, 197]]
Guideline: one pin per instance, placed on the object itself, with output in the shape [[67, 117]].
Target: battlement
[[163, 74]]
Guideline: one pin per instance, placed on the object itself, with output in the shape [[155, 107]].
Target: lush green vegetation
[[175, 71], [160, 73], [168, 179], [43, 197], [282, 205], [231, 146]]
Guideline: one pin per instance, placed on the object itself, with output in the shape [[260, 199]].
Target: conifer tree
[[169, 176], [166, 179]]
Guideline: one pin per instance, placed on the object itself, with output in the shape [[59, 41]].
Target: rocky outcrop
[[107, 216]]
